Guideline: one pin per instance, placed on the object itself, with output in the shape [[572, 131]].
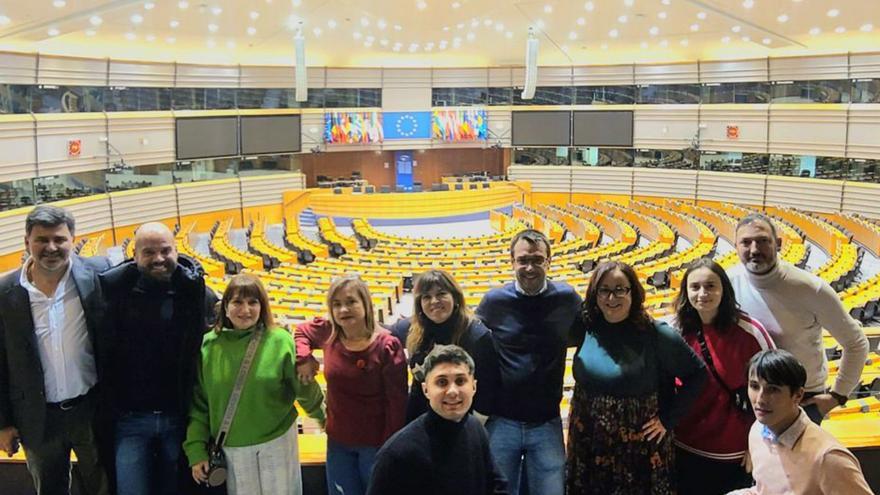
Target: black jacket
[[193, 311]]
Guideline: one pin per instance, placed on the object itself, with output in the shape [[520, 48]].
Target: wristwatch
[[841, 399]]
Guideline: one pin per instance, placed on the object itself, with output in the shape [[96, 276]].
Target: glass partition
[[664, 94], [139, 177], [609, 95], [263, 165], [866, 91], [120, 99], [541, 156], [66, 99], [67, 186], [748, 92], [835, 91], [15, 98], [202, 170], [679, 159], [16, 194]]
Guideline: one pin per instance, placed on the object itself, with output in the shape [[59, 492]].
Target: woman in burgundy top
[[712, 439], [365, 369]]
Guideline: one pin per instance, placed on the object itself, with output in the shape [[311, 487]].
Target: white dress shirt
[[63, 343]]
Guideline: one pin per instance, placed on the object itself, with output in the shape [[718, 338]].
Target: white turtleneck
[[794, 305]]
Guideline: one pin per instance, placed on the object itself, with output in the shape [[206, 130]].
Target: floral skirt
[[606, 452]]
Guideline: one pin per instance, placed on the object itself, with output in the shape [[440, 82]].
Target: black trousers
[[698, 475]]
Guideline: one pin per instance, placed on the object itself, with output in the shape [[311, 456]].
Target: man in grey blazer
[[49, 312]]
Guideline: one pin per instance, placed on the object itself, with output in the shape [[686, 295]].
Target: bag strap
[[232, 405], [707, 357]]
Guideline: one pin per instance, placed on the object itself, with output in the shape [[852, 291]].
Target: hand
[[200, 472], [307, 370], [824, 403], [747, 462], [9, 440], [654, 429]]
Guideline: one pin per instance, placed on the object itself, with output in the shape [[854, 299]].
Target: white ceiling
[[450, 33]]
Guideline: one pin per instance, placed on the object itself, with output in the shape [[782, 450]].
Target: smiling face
[[243, 312], [704, 292], [155, 254], [757, 247], [776, 406], [49, 247], [530, 264], [437, 303], [348, 310], [614, 296], [450, 389]]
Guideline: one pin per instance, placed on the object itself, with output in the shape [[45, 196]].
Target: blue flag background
[[406, 125]]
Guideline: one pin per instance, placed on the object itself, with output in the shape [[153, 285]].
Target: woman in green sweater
[[261, 446]]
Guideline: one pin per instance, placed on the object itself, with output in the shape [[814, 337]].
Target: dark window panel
[[442, 97], [829, 167], [541, 156], [834, 91], [139, 177], [66, 99], [611, 95], [188, 99], [137, 99], [15, 98], [67, 186], [546, 95], [470, 96], [500, 96], [678, 159], [866, 91], [340, 97], [220, 98], [665, 94], [16, 194], [370, 97], [616, 157], [864, 170], [262, 98], [315, 99]]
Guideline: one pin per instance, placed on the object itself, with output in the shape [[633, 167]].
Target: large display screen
[[603, 128], [270, 134], [206, 137], [550, 128]]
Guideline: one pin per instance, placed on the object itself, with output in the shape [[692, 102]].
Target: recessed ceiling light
[[396, 48], [475, 23], [296, 3], [370, 38], [548, 9], [589, 6], [150, 38], [666, 2], [695, 27], [725, 39], [149, 5], [211, 43], [398, 27], [384, 42], [381, 24], [254, 15], [317, 31], [684, 42], [251, 30], [456, 5], [456, 42], [540, 24], [174, 23], [365, 22], [137, 19], [460, 25], [815, 31], [4, 20], [498, 27], [614, 33], [487, 22], [413, 47], [746, 39], [628, 3], [508, 35], [749, 4], [331, 24], [766, 41], [53, 32], [213, 28], [230, 44], [664, 44], [622, 19], [661, 15], [581, 21], [59, 3], [833, 13], [183, 4], [782, 18], [471, 36], [644, 45], [216, 10], [736, 28], [95, 20], [654, 31], [170, 40], [701, 15], [91, 32], [867, 28], [421, 5], [357, 35], [840, 30], [572, 35], [130, 36]]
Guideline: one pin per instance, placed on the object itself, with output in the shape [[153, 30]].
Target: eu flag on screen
[[406, 125]]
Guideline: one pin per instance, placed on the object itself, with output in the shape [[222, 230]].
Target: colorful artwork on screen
[[352, 127], [460, 125]]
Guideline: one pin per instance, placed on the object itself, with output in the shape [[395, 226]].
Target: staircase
[[307, 218]]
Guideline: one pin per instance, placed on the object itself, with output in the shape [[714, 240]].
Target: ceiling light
[[95, 20], [499, 27], [782, 18], [684, 42], [840, 30], [456, 42], [572, 35], [661, 15], [622, 19], [581, 21], [4, 20], [471, 36], [613, 33], [736, 28], [540, 24], [701, 15], [136, 19], [296, 3], [230, 44], [664, 44], [130, 36], [748, 4], [252, 30], [174, 23], [182, 4], [370, 38], [508, 35], [59, 3], [833, 13], [317, 31], [211, 43], [331, 24], [254, 15], [695, 27], [746, 39], [384, 42], [666, 2], [487, 22], [365, 22], [213, 28], [216, 10], [766, 41], [456, 5], [867, 28], [91, 32], [398, 27], [396, 48], [815, 31], [381, 24], [53, 32], [150, 38], [149, 6], [170, 40], [475, 23], [413, 47], [725, 39], [589, 6], [548, 9], [654, 31], [368, 44], [421, 5], [644, 45], [357, 35], [628, 3]]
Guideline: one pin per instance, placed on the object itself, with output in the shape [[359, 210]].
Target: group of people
[[126, 364]]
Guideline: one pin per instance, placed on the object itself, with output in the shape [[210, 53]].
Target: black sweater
[[432, 455]]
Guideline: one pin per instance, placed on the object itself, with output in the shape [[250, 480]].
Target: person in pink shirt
[[365, 369], [712, 439]]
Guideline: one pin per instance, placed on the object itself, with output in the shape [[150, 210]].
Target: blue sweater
[[531, 334]]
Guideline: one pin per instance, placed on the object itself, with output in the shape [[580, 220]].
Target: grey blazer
[[22, 391]]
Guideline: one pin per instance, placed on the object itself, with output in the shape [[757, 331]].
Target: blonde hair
[[460, 317], [246, 286], [363, 292]]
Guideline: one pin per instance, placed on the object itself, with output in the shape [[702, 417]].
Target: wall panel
[[603, 75], [142, 138], [406, 78], [207, 76], [730, 187], [139, 206], [682, 73], [268, 189], [809, 68], [18, 68], [861, 198], [751, 120], [212, 196], [316, 77], [141, 74], [665, 183], [54, 131], [549, 76], [863, 135], [312, 129], [602, 180], [12, 230], [278, 76], [92, 213], [18, 140], [665, 126], [864, 65], [71, 71], [401, 99], [500, 77], [354, 78], [543, 178], [818, 129], [805, 194], [726, 71], [460, 78], [500, 126]]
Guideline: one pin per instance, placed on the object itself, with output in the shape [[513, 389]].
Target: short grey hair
[[48, 216], [443, 354], [757, 217]]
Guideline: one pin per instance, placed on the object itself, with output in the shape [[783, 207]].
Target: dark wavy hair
[[460, 317], [686, 316], [592, 315]]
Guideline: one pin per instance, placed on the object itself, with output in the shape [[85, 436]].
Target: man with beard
[[49, 314], [794, 305], [158, 311]]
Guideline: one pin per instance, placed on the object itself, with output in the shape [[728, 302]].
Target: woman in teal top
[[625, 402], [261, 446]]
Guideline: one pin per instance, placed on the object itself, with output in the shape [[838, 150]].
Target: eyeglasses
[[530, 260], [605, 292]]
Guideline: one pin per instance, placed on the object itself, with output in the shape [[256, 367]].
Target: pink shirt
[[366, 390]]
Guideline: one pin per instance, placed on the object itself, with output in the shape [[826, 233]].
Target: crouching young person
[[445, 450]]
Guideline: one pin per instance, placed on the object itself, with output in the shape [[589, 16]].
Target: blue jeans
[[537, 445], [348, 468], [148, 447]]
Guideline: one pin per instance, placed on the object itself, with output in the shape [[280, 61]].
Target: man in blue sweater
[[532, 320]]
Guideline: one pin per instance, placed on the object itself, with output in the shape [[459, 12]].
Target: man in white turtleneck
[[794, 305]]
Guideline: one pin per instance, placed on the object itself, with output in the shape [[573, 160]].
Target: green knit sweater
[[266, 409]]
